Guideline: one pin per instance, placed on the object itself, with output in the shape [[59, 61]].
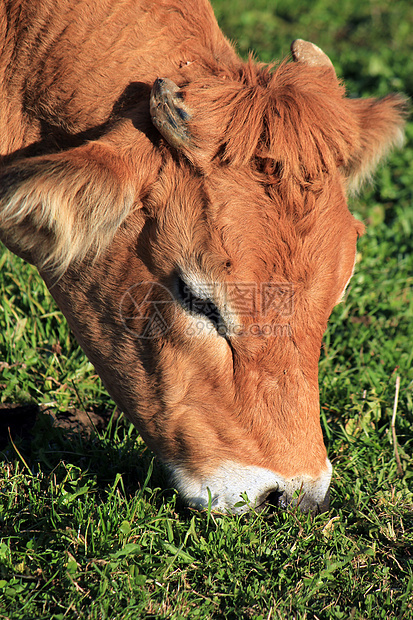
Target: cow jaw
[[236, 488]]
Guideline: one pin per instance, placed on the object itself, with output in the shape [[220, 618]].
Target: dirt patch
[[81, 421], [19, 420]]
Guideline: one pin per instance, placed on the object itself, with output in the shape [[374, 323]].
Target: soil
[[19, 420]]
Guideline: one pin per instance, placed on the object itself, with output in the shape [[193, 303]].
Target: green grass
[[88, 526]]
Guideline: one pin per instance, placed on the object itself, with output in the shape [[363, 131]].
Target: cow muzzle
[[235, 488]]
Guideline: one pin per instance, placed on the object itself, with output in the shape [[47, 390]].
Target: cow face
[[198, 270]]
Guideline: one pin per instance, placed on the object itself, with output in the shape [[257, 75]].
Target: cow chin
[[238, 489]]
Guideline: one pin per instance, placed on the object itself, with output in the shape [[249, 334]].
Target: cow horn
[[309, 54], [169, 113]]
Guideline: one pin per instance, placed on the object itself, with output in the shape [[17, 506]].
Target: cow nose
[[231, 482], [276, 499]]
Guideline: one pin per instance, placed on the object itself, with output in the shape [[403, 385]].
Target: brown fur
[[99, 202]]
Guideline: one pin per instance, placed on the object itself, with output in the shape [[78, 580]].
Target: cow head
[[198, 268]]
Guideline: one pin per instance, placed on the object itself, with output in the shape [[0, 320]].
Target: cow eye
[[203, 306]]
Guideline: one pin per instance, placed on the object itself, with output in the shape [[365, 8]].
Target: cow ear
[[381, 123], [55, 209], [378, 122]]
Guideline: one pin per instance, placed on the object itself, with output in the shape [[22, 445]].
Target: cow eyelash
[[197, 305]]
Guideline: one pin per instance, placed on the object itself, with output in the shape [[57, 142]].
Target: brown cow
[[196, 238]]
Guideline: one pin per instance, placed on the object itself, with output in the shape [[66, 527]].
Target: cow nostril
[[275, 499]]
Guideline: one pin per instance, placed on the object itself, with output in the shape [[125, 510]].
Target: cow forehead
[[252, 250], [233, 223]]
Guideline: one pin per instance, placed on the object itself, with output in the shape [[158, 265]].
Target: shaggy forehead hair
[[291, 123]]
